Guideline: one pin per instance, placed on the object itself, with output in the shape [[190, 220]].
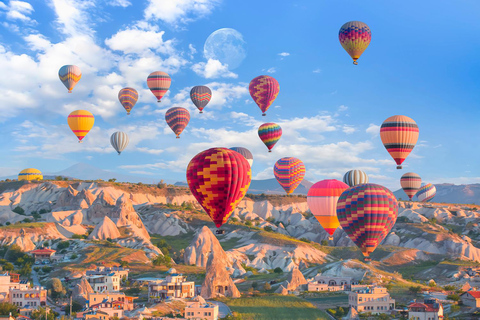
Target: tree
[[449, 287], [324, 243], [63, 245], [161, 185], [267, 286], [6, 308], [340, 312], [268, 228], [432, 283], [14, 252], [112, 180], [36, 216], [124, 264], [278, 270], [59, 178], [254, 285], [75, 307], [57, 288], [39, 314], [19, 210], [26, 270], [455, 297], [248, 223], [415, 290]]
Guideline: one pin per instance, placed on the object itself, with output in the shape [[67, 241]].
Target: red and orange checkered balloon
[[219, 179]]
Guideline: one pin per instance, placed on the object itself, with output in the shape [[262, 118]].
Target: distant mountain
[[451, 193]]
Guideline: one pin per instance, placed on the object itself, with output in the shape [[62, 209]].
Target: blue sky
[[422, 62]]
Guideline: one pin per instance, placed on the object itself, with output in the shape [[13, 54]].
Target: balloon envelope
[[355, 36], [289, 173], [270, 133], [30, 174], [367, 213], [69, 75], [354, 177], [159, 82], [219, 179], [177, 119], [200, 96], [399, 135], [427, 192], [244, 152], [410, 183], [80, 122], [322, 200], [128, 98], [264, 90], [119, 141]]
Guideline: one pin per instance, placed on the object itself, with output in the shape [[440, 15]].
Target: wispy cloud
[[179, 11], [213, 69]]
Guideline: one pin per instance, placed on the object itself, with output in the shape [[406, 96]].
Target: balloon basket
[[178, 137], [330, 238], [201, 112], [399, 167], [219, 231], [355, 62], [367, 259], [269, 150], [80, 141], [69, 91], [128, 113], [158, 100], [264, 114]]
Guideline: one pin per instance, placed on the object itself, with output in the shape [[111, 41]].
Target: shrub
[[26, 220], [47, 269], [7, 223], [74, 256], [63, 245], [19, 210], [233, 219], [324, 243], [78, 236], [43, 211], [305, 240], [267, 286], [278, 270], [268, 228], [248, 223], [454, 297]]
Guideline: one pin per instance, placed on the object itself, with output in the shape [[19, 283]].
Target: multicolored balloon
[[399, 135], [219, 179], [427, 192], [244, 152], [177, 119], [289, 173], [69, 75], [200, 96], [410, 183], [128, 97], [367, 213], [354, 177], [119, 141], [30, 174], [80, 122], [159, 82], [322, 200], [270, 133], [264, 90], [355, 36]]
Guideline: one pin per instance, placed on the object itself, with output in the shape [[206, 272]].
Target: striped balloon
[[30, 174], [354, 177], [69, 75], [119, 141], [322, 200], [200, 96], [410, 183], [270, 133], [177, 118], [219, 179], [128, 97], [264, 90], [80, 122], [355, 36], [399, 135], [159, 82], [367, 213], [426, 193], [244, 152], [289, 173]]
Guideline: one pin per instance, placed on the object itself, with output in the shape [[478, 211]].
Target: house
[[471, 298], [43, 254], [105, 282], [330, 283], [96, 298], [99, 271], [10, 281], [430, 309], [112, 309], [175, 286], [34, 297], [96, 315], [199, 309], [373, 299], [7, 317]]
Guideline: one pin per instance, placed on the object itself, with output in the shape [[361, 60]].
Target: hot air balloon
[[264, 90], [128, 97], [177, 118], [354, 177], [69, 75], [289, 173], [399, 135], [200, 96], [322, 200], [355, 37], [270, 133], [244, 152], [119, 141], [367, 213], [219, 179], [159, 82], [80, 122], [410, 183], [426, 193], [30, 174]]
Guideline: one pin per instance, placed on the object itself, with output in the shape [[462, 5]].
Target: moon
[[227, 46]]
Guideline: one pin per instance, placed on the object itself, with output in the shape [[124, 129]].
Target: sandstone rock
[[217, 280], [104, 230], [295, 280], [202, 246], [25, 243], [282, 290], [81, 291]]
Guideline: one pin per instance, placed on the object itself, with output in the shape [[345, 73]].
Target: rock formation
[[295, 280], [202, 246], [217, 280], [282, 290], [81, 291], [104, 230]]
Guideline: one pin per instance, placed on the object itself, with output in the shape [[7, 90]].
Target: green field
[[275, 308]]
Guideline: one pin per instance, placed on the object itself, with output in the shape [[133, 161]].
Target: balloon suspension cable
[[355, 62], [399, 167], [264, 114]]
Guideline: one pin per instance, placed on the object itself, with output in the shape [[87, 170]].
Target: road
[[223, 309], [35, 280]]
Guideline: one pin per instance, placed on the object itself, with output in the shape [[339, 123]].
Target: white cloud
[[342, 108], [18, 10], [348, 129], [179, 11], [72, 16], [373, 129], [120, 3], [317, 71], [135, 40], [213, 69], [272, 70], [284, 54]]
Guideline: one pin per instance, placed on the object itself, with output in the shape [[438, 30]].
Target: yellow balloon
[[80, 122]]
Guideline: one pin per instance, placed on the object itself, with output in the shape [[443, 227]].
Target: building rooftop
[[43, 250], [475, 294]]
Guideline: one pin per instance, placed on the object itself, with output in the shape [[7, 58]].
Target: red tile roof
[[44, 250], [427, 307], [475, 294]]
